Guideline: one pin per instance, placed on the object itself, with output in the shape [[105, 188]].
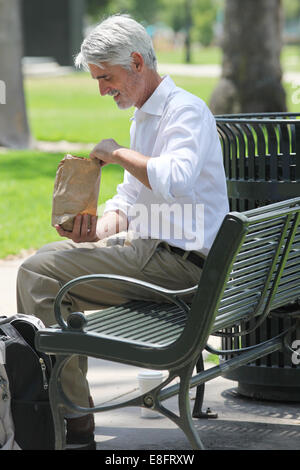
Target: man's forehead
[[102, 71]]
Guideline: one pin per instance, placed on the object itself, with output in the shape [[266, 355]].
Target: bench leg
[[197, 410], [58, 410], [186, 422]]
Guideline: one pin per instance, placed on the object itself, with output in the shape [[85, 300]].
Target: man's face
[[118, 82]]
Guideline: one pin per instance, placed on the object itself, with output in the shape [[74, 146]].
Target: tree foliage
[[145, 12], [291, 9], [173, 13]]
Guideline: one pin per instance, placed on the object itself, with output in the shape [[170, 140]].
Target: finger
[[76, 233], [98, 159], [93, 227], [62, 232], [84, 226], [95, 155]]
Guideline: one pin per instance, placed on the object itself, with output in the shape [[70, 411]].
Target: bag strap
[[9, 330]]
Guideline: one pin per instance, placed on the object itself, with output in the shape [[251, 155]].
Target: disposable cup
[[147, 380]]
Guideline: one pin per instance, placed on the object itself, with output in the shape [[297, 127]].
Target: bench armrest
[[168, 294]]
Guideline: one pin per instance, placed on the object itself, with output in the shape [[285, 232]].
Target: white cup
[[149, 379]]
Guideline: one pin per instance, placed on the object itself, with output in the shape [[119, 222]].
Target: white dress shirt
[[188, 200]]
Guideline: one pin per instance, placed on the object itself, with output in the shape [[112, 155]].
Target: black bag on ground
[[28, 373]]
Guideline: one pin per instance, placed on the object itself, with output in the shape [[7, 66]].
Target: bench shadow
[[216, 435], [237, 403], [243, 424]]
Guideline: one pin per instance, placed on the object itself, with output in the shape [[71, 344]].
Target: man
[[161, 223]]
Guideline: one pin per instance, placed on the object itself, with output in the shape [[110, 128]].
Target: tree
[[251, 71], [145, 12], [204, 17], [291, 9], [195, 17], [14, 129]]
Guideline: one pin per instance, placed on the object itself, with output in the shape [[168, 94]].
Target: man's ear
[[137, 61]]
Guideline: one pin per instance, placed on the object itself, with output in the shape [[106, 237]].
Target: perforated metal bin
[[262, 165]]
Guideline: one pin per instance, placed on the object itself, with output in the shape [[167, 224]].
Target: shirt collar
[[156, 102]]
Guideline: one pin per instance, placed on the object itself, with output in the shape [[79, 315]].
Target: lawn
[[199, 55], [70, 108], [290, 56], [26, 185]]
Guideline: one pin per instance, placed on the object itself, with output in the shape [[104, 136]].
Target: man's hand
[[81, 233], [109, 151], [104, 151]]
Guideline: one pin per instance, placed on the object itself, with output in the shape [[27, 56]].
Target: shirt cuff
[[115, 205], [159, 176]]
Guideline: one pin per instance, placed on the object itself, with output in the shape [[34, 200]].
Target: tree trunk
[[188, 26], [14, 129], [251, 71]]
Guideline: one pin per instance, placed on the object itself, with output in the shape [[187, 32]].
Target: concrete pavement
[[242, 424]]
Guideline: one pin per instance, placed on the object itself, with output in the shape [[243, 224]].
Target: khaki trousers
[[42, 275]]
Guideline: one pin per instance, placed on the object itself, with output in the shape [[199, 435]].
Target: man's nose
[[103, 88]]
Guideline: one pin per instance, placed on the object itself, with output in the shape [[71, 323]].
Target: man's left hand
[[104, 151]]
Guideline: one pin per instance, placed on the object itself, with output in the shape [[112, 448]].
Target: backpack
[[25, 415]]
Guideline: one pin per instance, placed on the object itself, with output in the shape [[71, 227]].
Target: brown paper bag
[[76, 190]]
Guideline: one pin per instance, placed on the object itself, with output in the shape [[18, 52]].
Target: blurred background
[[238, 56]]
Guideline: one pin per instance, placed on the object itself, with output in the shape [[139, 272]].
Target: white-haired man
[[161, 223]]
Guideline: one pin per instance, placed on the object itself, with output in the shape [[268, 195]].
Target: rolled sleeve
[[126, 195]]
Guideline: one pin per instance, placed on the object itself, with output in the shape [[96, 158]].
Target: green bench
[[253, 268]]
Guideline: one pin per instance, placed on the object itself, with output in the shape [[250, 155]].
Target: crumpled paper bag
[[76, 190]]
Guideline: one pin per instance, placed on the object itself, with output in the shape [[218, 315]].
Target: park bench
[[252, 268]]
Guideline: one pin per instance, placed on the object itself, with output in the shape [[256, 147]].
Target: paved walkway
[[242, 424], [48, 68]]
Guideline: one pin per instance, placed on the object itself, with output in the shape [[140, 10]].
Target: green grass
[[199, 55], [26, 185], [70, 108], [213, 359], [290, 56]]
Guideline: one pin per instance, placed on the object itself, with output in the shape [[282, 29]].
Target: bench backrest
[[253, 267], [261, 157]]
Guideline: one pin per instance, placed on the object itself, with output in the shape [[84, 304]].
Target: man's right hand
[[81, 232]]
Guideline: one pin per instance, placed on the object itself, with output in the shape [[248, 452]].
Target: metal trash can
[[262, 165]]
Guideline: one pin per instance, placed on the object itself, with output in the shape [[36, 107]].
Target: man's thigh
[[57, 263], [142, 259]]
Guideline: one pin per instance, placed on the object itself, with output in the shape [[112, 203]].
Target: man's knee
[[56, 246], [30, 264]]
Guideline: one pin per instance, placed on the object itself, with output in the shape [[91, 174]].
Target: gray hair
[[114, 40]]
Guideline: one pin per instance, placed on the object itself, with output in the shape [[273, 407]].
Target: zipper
[[4, 387], [40, 359], [43, 367]]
